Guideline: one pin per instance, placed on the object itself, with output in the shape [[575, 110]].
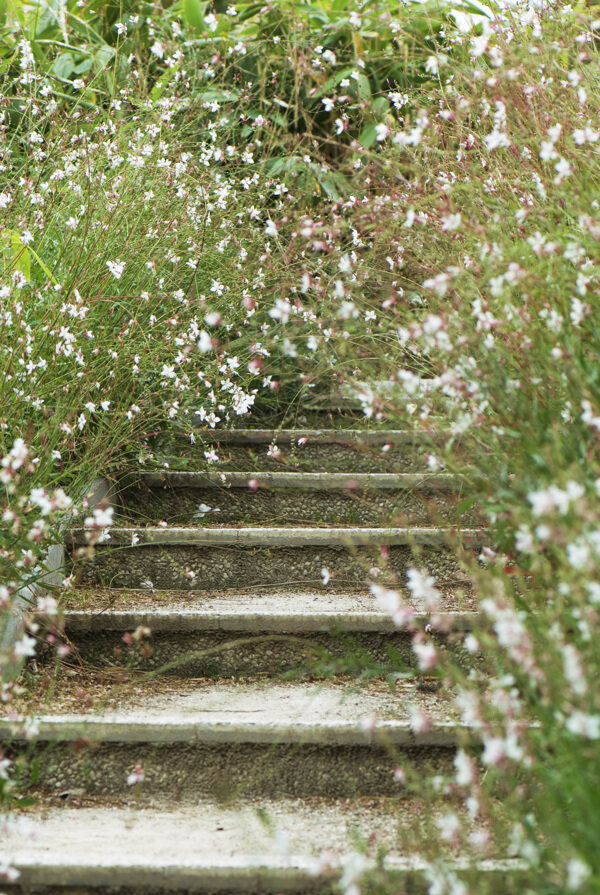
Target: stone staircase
[[225, 721]]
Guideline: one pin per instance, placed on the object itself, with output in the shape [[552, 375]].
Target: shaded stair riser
[[230, 505], [222, 654], [308, 450], [185, 772], [256, 881], [205, 568], [314, 457]]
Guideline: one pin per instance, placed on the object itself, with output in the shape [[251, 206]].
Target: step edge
[[281, 537], [362, 621], [293, 870], [309, 481], [338, 734]]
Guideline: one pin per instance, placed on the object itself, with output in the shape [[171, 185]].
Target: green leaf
[[368, 136], [193, 13], [46, 270], [26, 802], [64, 66], [20, 258], [334, 80], [476, 8], [159, 88], [364, 88], [83, 67], [380, 106], [103, 56]]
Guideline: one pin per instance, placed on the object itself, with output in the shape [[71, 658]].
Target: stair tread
[[267, 712], [253, 612], [208, 844]]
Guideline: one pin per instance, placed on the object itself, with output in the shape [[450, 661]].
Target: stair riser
[[186, 772], [258, 882], [222, 654], [312, 456], [233, 505], [318, 457], [205, 568]]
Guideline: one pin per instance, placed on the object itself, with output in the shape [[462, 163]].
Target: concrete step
[[243, 740], [293, 497], [207, 558], [352, 450], [311, 635], [264, 847]]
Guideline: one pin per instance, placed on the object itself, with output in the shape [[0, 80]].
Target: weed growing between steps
[[174, 243]]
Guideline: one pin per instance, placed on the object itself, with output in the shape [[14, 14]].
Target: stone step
[[293, 497], [250, 635], [239, 740], [351, 450], [259, 847], [240, 557]]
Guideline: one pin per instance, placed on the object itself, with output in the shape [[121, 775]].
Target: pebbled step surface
[[293, 567], [295, 497], [320, 450]]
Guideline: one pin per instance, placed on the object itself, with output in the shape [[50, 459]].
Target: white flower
[[203, 509], [325, 576], [102, 518], [448, 825], [422, 588], [25, 647], [496, 139], [479, 44], [345, 264], [524, 539], [8, 873], [390, 602], [451, 222], [281, 311], [494, 751], [204, 343], [584, 725], [136, 776], [47, 605], [419, 720], [432, 65], [116, 268], [157, 49], [426, 654], [464, 768], [382, 132], [577, 873]]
